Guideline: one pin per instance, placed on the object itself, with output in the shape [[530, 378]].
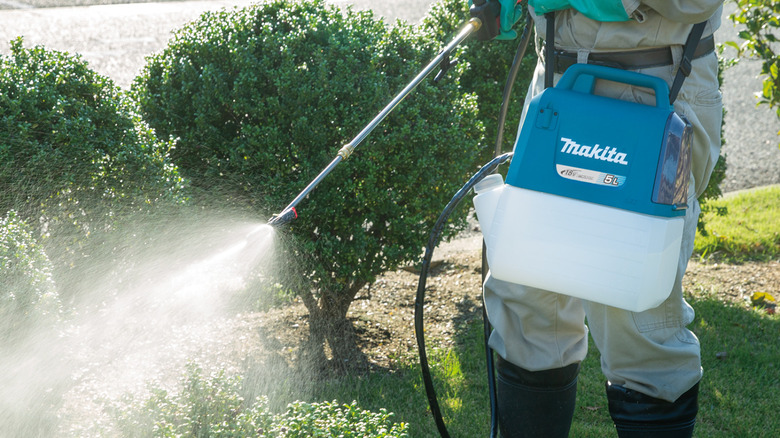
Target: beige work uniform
[[652, 351]]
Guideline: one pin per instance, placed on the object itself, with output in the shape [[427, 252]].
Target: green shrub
[[74, 156], [213, 407], [204, 406], [27, 291], [262, 98], [488, 67], [761, 20], [329, 419]]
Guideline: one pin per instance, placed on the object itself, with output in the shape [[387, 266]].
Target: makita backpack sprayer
[[592, 201]]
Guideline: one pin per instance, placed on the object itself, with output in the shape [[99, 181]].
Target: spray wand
[[442, 60]]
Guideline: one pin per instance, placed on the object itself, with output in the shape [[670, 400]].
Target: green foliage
[[69, 140], [262, 98], [27, 291], [205, 407], [74, 156], [748, 232], [329, 419], [212, 407], [761, 20], [488, 67]]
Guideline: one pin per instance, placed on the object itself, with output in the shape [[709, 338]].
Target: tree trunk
[[331, 332]]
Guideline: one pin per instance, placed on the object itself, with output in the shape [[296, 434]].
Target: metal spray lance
[[442, 60]]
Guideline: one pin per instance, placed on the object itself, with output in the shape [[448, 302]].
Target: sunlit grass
[[749, 231], [737, 392]]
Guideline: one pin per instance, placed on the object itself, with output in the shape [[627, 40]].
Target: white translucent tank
[[581, 249]]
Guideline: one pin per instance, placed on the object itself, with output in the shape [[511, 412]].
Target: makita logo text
[[596, 152]]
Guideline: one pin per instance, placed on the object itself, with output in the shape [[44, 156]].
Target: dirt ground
[[383, 315]]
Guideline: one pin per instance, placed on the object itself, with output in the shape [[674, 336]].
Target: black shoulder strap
[[549, 50], [685, 63]]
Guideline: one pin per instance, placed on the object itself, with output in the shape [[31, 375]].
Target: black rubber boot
[[637, 415], [535, 403]]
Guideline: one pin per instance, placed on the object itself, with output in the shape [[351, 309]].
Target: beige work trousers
[[652, 351]]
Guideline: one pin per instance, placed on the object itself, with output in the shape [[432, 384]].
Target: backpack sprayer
[[594, 201], [593, 204]]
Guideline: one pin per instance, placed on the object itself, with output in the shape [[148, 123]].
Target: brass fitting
[[346, 151]]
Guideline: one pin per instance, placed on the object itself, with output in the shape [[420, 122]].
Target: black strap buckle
[[686, 63]]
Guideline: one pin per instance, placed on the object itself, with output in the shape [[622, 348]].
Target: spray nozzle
[[283, 218]]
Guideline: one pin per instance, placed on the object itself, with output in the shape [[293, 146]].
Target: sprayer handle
[[487, 11], [569, 81]]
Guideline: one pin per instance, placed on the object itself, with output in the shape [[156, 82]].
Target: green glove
[[511, 12], [599, 10]]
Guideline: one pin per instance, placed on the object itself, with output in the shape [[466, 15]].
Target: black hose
[[419, 303], [510, 81], [433, 240]]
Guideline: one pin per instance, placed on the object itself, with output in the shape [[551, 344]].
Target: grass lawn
[[749, 231], [738, 398]]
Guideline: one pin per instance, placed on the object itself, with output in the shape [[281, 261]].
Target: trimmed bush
[[74, 156], [202, 406], [262, 98], [488, 64]]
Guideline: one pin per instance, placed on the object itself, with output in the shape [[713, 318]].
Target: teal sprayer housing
[[577, 137], [595, 195]]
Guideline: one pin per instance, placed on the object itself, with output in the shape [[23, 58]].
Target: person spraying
[[651, 361]]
